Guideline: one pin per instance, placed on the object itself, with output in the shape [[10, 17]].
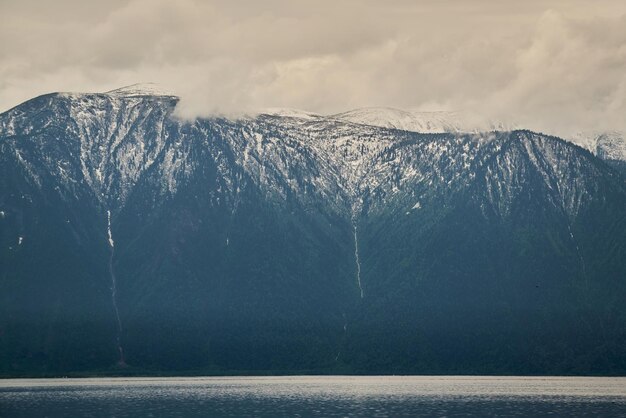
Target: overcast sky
[[549, 64]]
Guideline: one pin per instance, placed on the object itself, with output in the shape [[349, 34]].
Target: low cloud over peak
[[550, 65]]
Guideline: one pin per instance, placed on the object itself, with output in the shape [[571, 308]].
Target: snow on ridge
[[385, 117], [608, 145], [140, 89], [420, 121], [289, 113], [121, 134], [605, 144]]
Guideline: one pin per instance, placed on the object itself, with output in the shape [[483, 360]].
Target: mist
[[555, 66]]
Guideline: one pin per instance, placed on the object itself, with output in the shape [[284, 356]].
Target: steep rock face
[[300, 242]]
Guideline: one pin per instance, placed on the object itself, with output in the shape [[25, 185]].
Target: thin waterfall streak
[[111, 242], [358, 262], [580, 257], [114, 290], [343, 337]]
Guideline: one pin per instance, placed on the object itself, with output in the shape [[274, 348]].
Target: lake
[[323, 396]]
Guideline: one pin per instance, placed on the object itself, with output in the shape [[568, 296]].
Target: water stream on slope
[[356, 259], [114, 291]]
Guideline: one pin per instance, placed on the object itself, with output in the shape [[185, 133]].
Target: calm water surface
[[314, 396]]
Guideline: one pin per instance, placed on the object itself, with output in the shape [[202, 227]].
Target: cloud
[[557, 69], [571, 75]]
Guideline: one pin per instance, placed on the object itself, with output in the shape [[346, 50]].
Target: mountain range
[[372, 241]]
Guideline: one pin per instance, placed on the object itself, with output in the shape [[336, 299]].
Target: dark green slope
[[55, 303], [257, 286], [234, 246], [478, 286]]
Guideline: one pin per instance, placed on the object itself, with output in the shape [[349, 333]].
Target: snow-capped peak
[[140, 89]]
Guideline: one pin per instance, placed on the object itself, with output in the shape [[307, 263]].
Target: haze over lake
[[450, 396]]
